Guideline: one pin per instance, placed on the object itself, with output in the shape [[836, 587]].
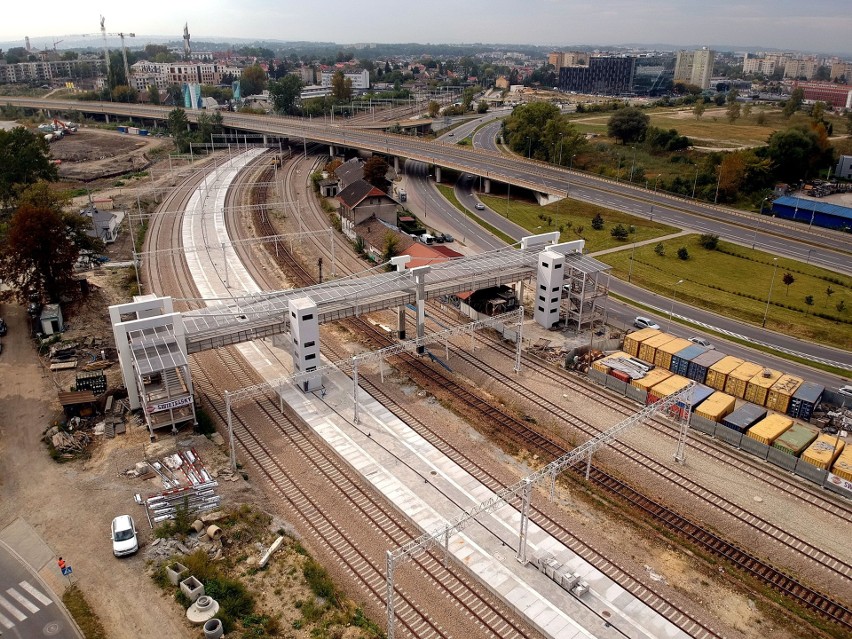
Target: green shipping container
[[796, 439]]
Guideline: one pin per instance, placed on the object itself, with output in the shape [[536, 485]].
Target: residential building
[[360, 201], [606, 75], [164, 74], [798, 68], [360, 79], [766, 66], [695, 67], [841, 71], [46, 71], [561, 59], [844, 167]]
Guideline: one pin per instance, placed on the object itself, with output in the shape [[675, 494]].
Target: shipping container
[[758, 386], [823, 451], [681, 359], [739, 378], [665, 388], [767, 430], [601, 365], [624, 377], [635, 339], [121, 129], [843, 466], [143, 131], [796, 439], [132, 130], [650, 380], [717, 406], [648, 348], [664, 354], [699, 393], [781, 392], [744, 417], [700, 365], [806, 398], [717, 374]]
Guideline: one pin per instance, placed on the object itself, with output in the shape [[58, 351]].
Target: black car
[[3, 327]]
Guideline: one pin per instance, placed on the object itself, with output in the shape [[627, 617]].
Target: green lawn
[[569, 215], [735, 281]]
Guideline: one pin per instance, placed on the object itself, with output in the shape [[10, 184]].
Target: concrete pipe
[[198, 525], [214, 532], [213, 629]]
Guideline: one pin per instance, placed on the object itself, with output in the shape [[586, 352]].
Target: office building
[[601, 75]]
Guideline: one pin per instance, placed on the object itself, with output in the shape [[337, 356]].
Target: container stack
[[757, 389], [843, 466], [700, 365], [744, 417], [648, 348], [806, 398], [796, 439], [767, 430], [716, 407], [634, 340], [823, 451], [779, 396], [717, 374], [682, 359], [739, 378], [665, 353]]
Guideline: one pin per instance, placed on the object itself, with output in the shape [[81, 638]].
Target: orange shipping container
[[717, 406], [635, 339], [665, 352], [843, 466], [717, 375], [758, 386], [779, 395], [822, 452], [650, 380], [649, 347], [665, 388], [739, 378], [770, 428]]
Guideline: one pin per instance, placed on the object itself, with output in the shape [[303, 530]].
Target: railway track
[[773, 577], [259, 423]]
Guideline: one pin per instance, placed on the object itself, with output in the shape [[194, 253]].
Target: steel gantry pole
[[355, 387], [525, 521], [389, 596], [520, 339], [230, 431]]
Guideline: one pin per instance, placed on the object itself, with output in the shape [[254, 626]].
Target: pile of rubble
[[206, 536]]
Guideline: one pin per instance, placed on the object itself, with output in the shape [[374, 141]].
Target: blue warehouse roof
[[809, 205]]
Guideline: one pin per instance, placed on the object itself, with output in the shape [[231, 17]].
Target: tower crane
[[123, 49]]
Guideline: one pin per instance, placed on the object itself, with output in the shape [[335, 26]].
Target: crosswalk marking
[[4, 621], [35, 594], [14, 594], [10, 608]]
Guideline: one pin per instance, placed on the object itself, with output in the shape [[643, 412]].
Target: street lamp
[[561, 140], [529, 147], [695, 183], [671, 309], [768, 297], [757, 224], [718, 182], [630, 270], [633, 164]]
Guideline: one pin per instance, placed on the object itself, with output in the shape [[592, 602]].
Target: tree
[[434, 108], [682, 253], [620, 232], [391, 246], [628, 125], [42, 244], [809, 300], [482, 107], [597, 222], [340, 88], [253, 80], [788, 279], [732, 96], [375, 170], [794, 102], [733, 112], [828, 293], [849, 122], [799, 152], [699, 109], [710, 241], [542, 131], [761, 118], [284, 93], [660, 249], [124, 93], [24, 160], [153, 94], [179, 129], [818, 111], [746, 110], [841, 306]]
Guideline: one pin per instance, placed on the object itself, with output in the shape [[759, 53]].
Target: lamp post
[[633, 163], [529, 147], [757, 224], [718, 182], [561, 140], [671, 309], [695, 183], [630, 270], [769, 297], [657, 179]]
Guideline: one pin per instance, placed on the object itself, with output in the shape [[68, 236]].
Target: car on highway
[[644, 322], [479, 206], [123, 536], [701, 342]]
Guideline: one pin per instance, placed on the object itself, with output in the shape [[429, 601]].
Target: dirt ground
[[91, 153]]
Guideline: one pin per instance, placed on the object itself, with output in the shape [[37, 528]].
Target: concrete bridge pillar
[[106, 117], [438, 174], [265, 140], [399, 263], [396, 165], [331, 150], [420, 289], [486, 186]]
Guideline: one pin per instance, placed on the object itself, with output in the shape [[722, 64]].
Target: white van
[[426, 238]]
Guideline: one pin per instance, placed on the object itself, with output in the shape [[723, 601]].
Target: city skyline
[[820, 27]]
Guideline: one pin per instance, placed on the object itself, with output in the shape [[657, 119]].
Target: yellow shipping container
[[635, 339], [843, 466], [739, 378], [758, 386], [601, 364], [666, 351], [648, 348], [822, 452], [668, 386], [717, 374], [770, 428], [650, 380], [717, 406], [779, 395]]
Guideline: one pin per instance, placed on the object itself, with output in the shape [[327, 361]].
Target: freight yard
[[630, 542]]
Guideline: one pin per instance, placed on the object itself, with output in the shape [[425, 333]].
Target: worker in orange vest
[[61, 563]]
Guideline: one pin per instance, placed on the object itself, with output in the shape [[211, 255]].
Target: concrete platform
[[417, 478]]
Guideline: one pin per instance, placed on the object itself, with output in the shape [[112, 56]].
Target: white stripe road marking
[[15, 612], [35, 593], [5, 622], [14, 594]]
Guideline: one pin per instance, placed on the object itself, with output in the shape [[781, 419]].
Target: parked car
[[449, 238], [845, 391], [479, 206], [644, 322], [123, 536], [702, 342], [3, 327]]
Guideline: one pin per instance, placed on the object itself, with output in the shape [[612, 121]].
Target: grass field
[[735, 281], [569, 217]]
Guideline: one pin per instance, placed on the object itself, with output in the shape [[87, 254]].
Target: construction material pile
[[187, 485]]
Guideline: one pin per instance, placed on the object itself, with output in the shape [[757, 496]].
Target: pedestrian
[[61, 564]]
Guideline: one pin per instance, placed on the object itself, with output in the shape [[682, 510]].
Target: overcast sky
[[818, 25]]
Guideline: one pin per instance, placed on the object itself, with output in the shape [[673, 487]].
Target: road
[[28, 608]]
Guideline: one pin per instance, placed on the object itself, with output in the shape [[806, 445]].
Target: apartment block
[[695, 67]]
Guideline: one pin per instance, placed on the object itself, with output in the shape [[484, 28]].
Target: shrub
[[709, 241], [682, 253], [660, 249], [597, 222], [619, 232]]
